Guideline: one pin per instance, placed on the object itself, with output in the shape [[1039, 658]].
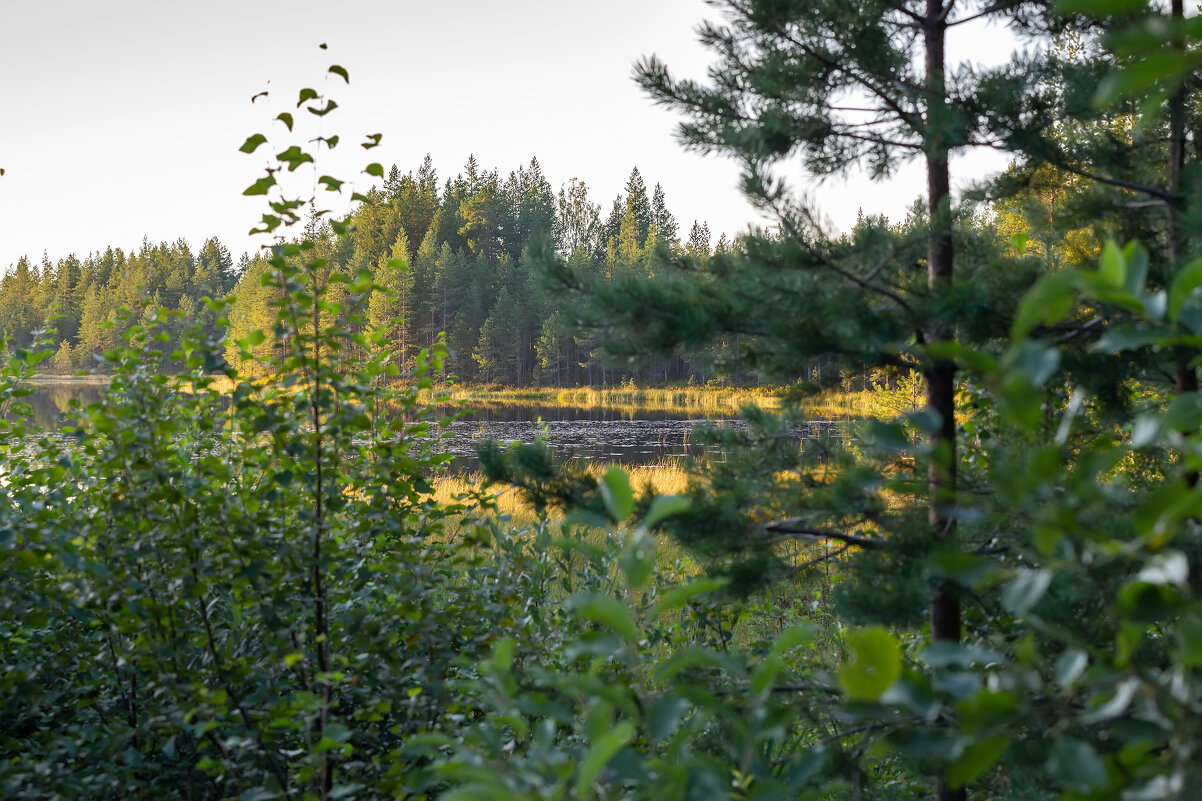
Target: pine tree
[[698, 245], [390, 308], [836, 86], [578, 221], [637, 201], [612, 229], [665, 223]]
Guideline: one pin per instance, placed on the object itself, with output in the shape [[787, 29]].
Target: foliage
[[467, 272], [254, 594]]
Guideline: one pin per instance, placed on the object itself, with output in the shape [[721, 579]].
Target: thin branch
[[792, 529]]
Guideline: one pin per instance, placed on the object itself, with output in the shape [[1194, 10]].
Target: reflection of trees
[[50, 402]]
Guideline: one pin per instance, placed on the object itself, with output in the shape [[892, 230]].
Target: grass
[[717, 400], [40, 379], [664, 478], [725, 401]]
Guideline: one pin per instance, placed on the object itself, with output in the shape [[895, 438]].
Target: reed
[[875, 403], [724, 400]]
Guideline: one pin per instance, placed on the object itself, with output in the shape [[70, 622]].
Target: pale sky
[[121, 119]]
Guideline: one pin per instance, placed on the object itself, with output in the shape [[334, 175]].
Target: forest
[[456, 257], [233, 575]]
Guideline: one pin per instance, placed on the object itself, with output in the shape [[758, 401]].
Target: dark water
[[51, 401], [604, 435]]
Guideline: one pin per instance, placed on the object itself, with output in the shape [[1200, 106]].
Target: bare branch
[[792, 529]]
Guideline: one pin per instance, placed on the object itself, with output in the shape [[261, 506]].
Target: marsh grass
[[663, 478], [727, 400], [505, 505]]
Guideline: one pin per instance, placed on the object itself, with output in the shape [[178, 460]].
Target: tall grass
[[663, 478], [724, 400]]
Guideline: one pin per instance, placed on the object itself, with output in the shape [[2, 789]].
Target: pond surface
[[51, 400], [596, 434], [602, 435]]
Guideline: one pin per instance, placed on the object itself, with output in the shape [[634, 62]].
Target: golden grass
[[44, 379], [876, 403], [665, 478], [628, 397]]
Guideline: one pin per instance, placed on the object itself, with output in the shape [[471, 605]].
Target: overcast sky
[[121, 119]]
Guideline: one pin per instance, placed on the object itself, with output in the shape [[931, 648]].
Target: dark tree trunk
[[940, 378]]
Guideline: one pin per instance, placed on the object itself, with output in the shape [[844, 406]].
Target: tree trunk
[[1187, 375], [945, 600]]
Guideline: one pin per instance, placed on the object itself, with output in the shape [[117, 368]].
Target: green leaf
[[1136, 256], [340, 71], [373, 140], [665, 506], [1021, 595], [677, 597], [1183, 414], [975, 359], [1049, 301], [609, 612], [696, 657], [294, 157], [306, 94], [791, 638], [331, 184], [1153, 70], [1098, 8], [252, 143], [285, 118], [1035, 362], [977, 758], [600, 754], [665, 716], [876, 662], [374, 169], [255, 337], [617, 495], [1127, 337], [1112, 267], [1184, 283], [1070, 666], [1189, 639], [261, 186], [321, 112], [1076, 766], [638, 559]]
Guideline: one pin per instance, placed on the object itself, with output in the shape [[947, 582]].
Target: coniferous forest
[[456, 257], [239, 573]]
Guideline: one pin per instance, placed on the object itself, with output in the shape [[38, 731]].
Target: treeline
[[458, 258], [91, 302]]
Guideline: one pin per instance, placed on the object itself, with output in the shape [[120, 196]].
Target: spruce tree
[[637, 200], [665, 223]]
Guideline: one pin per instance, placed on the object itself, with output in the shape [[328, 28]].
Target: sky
[[121, 120]]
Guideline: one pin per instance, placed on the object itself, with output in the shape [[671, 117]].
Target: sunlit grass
[[720, 400], [510, 509]]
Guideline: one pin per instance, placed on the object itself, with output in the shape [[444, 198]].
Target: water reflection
[[51, 401], [624, 436]]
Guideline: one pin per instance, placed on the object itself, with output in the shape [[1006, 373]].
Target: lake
[[597, 434]]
